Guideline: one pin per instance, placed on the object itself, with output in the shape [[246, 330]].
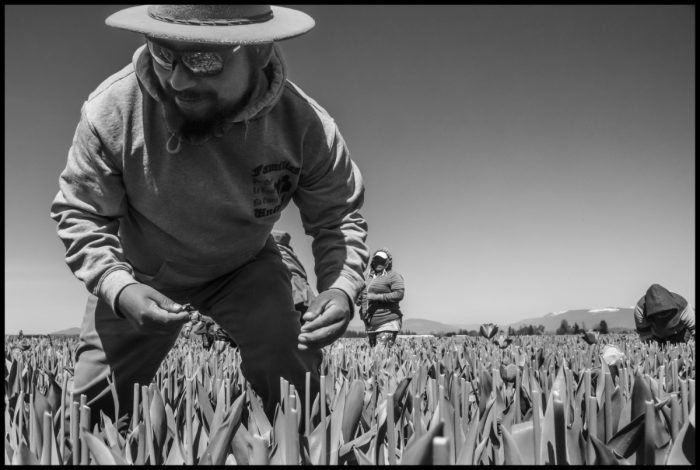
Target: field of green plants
[[491, 400]]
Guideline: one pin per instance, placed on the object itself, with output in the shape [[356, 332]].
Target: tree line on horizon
[[524, 330]]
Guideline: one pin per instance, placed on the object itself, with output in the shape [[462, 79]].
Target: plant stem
[[607, 392], [675, 415], [84, 428], [145, 400], [391, 432], [75, 432], [324, 435], [135, 407], [649, 434], [537, 427], [189, 445], [47, 429], [441, 450], [591, 426], [307, 404], [684, 400], [559, 429]]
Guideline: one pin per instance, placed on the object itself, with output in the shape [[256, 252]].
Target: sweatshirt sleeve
[[90, 201], [642, 325], [688, 319], [329, 196], [397, 289]]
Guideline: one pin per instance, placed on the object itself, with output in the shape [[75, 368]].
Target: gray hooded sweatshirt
[[138, 202]]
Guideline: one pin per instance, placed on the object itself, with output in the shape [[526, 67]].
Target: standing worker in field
[[664, 316], [180, 166], [379, 300]]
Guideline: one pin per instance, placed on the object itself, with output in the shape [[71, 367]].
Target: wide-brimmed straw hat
[[214, 24]]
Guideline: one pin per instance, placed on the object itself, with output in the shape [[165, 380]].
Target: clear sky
[[518, 160]]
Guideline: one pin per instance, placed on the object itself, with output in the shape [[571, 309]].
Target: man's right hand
[[149, 311]]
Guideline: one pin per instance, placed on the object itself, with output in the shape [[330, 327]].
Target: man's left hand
[[326, 319]]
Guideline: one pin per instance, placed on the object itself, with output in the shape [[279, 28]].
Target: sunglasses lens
[[203, 63], [164, 57], [199, 63]]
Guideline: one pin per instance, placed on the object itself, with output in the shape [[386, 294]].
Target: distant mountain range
[[420, 326], [616, 317]]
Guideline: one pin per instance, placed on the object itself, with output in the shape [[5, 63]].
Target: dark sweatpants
[[253, 304]]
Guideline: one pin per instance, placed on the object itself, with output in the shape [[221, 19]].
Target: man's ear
[[263, 54]]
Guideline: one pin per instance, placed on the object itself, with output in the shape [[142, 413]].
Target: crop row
[[530, 400]]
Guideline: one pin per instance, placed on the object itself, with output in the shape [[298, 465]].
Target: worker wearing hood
[[379, 299], [181, 164], [663, 316]]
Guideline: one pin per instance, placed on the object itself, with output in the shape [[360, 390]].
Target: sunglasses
[[205, 63]]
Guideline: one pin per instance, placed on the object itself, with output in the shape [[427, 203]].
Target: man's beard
[[191, 126], [196, 128], [200, 126]]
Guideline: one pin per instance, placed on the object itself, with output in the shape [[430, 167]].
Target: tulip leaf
[[420, 451], [241, 445], [99, 450], [336, 424], [362, 458], [205, 407], [466, 454], [640, 394], [353, 410], [510, 449], [257, 414], [175, 456], [606, 456], [217, 448], [682, 451], [110, 432], [159, 424], [23, 456], [359, 442]]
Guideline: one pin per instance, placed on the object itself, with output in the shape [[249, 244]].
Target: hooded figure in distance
[[663, 316]]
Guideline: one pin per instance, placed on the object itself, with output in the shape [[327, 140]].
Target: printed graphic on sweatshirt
[[272, 186]]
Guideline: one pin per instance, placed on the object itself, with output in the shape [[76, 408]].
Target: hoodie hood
[[263, 98], [389, 262], [658, 299]]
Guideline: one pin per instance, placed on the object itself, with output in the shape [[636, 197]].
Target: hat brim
[[286, 23]]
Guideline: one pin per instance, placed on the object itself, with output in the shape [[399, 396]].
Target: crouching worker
[[302, 292], [211, 332], [179, 168], [663, 316]]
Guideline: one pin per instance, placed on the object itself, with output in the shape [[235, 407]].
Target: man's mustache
[[188, 95]]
